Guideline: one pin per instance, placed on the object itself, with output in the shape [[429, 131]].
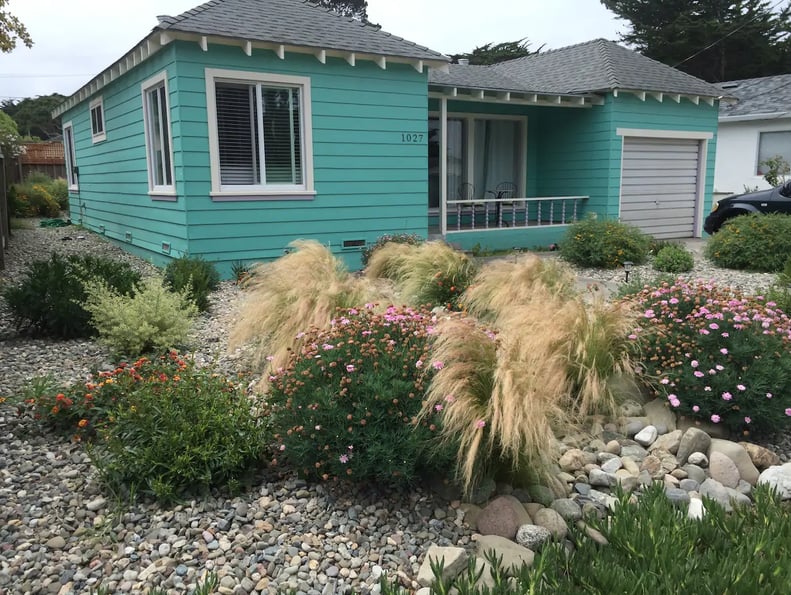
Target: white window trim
[[286, 192], [100, 136], [164, 192], [68, 153]]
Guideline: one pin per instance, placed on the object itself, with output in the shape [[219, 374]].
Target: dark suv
[[774, 200]]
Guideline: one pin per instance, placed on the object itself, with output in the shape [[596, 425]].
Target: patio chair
[[504, 190], [466, 191]]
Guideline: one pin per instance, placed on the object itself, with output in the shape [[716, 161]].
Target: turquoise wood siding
[[627, 111], [113, 175], [367, 181]]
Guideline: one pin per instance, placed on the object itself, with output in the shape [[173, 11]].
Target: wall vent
[[353, 244], [101, 229], [128, 236], [166, 247]]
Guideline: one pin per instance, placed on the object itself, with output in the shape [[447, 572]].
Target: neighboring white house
[[752, 130]]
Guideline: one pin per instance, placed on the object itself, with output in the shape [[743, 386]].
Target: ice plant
[[729, 375]]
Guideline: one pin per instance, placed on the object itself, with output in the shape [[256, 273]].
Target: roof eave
[[161, 37], [513, 96], [749, 117]]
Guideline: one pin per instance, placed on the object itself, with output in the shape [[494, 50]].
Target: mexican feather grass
[[300, 291]]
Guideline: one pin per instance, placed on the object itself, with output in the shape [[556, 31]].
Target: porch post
[[443, 166]]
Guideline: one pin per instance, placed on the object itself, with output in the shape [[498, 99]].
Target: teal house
[[241, 125]]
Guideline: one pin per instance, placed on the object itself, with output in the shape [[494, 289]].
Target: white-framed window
[[98, 132], [69, 153], [771, 145], [159, 152], [260, 137]]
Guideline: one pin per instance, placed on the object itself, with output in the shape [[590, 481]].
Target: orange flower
[[55, 410], [60, 397], [83, 423]]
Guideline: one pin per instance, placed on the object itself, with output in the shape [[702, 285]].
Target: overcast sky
[[76, 39]]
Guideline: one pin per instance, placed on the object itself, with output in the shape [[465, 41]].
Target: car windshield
[[785, 189]]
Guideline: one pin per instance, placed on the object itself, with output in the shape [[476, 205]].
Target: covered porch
[[497, 176]]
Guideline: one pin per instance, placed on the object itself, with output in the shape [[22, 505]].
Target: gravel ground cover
[[60, 534]]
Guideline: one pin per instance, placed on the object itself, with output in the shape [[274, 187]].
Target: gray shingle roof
[[766, 95], [597, 65], [293, 22], [474, 77]]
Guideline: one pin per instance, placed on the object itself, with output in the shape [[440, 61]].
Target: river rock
[[740, 457], [779, 478], [503, 516], [455, 560], [723, 469], [693, 440], [762, 458]]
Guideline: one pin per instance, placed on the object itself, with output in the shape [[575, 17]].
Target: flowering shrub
[[345, 405], [604, 243], [717, 356], [752, 242], [158, 426]]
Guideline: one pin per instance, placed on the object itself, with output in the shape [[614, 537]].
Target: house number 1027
[[412, 137]]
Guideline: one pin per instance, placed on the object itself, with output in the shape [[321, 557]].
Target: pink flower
[[707, 389], [282, 447], [694, 363], [719, 367], [480, 423], [437, 407], [664, 381], [741, 387], [788, 412], [419, 363], [703, 331], [450, 399], [695, 408], [269, 358], [724, 351], [726, 396], [675, 402], [726, 335], [632, 337], [715, 418], [438, 365], [350, 367], [768, 395], [699, 374], [343, 459], [327, 347], [747, 420], [649, 314], [318, 428]]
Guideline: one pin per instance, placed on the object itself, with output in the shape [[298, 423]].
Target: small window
[[771, 145], [97, 120], [69, 153], [156, 115], [260, 137]]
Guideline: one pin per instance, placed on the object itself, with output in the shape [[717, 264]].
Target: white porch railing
[[507, 213]]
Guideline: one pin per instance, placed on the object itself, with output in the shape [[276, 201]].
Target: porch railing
[[508, 213]]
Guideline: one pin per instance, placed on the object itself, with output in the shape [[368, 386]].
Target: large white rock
[[779, 477], [646, 436], [455, 560]]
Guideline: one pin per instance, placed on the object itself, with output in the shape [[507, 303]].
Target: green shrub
[[674, 259], [49, 300], [653, 548], [34, 200], [171, 429], [604, 243], [345, 404], [780, 291], [195, 274], [59, 190], [399, 238], [153, 319], [38, 177], [752, 242], [717, 356]]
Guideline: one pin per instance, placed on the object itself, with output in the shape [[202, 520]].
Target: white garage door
[[659, 185]]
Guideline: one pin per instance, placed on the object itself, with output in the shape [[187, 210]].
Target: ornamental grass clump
[[431, 273], [716, 355], [345, 405], [296, 292], [504, 393]]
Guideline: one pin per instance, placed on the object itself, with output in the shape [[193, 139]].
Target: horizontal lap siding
[[367, 181], [113, 175]]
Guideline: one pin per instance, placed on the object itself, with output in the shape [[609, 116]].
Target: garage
[[661, 185]]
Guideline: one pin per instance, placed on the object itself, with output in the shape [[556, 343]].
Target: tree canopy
[[33, 115], [493, 53], [11, 30], [10, 141], [716, 40], [351, 8]]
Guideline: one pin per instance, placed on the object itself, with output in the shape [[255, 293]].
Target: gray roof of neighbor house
[[293, 22], [598, 65], [769, 96]]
